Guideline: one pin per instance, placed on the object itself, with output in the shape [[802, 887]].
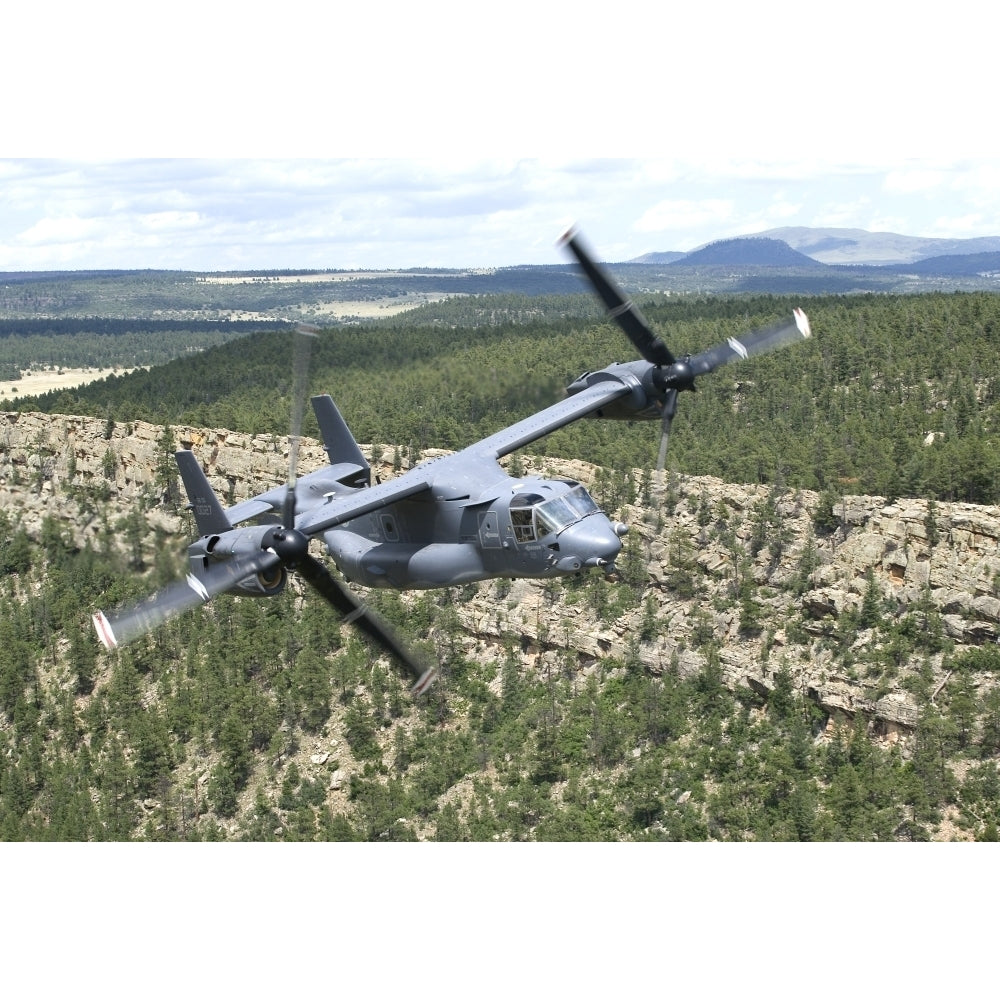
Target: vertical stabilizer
[[341, 448], [208, 513]]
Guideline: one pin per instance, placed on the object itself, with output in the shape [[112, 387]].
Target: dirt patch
[[341, 309], [374, 308], [37, 383], [318, 277]]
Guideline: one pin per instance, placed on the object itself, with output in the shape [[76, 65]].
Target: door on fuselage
[[524, 531], [489, 530]]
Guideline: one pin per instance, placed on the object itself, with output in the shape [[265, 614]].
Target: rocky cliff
[[763, 580]]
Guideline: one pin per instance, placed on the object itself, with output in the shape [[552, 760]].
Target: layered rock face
[[711, 572]]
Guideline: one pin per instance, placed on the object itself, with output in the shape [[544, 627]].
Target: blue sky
[[435, 137]]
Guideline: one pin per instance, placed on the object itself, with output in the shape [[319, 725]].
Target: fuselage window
[[524, 528], [522, 509]]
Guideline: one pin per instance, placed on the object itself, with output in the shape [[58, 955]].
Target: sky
[[217, 139]]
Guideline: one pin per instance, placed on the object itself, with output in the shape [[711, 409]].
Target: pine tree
[[871, 604]]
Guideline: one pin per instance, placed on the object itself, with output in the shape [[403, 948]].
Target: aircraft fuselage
[[514, 528]]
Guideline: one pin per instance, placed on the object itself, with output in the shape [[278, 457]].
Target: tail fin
[[341, 448], [208, 513]]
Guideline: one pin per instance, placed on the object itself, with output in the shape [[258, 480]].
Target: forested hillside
[[27, 344], [894, 395], [266, 720], [184, 295], [728, 267], [757, 671]]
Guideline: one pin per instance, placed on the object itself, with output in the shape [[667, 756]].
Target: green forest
[[299, 294], [198, 731], [233, 722], [31, 344], [850, 409]]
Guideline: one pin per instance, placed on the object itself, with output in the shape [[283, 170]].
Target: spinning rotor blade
[[310, 568], [282, 546], [673, 375], [681, 375], [128, 623], [669, 409], [750, 344], [369, 621], [304, 336], [619, 308]]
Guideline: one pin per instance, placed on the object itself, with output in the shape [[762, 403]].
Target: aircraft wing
[[339, 509], [546, 421], [351, 505], [346, 507]]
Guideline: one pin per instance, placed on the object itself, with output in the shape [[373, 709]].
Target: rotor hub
[[679, 376], [290, 545]]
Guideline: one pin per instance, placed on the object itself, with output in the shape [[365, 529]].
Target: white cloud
[[844, 215], [956, 227], [673, 216], [62, 230], [223, 214], [168, 222], [915, 181]]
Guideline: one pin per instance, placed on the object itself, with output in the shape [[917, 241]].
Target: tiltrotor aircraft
[[449, 520]]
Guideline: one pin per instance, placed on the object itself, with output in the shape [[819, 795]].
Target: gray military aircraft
[[450, 520]]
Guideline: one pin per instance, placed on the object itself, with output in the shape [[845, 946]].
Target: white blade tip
[[104, 632], [566, 236], [802, 322], [426, 679]]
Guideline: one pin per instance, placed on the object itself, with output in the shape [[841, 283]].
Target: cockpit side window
[[522, 509], [524, 528], [532, 516], [555, 514]]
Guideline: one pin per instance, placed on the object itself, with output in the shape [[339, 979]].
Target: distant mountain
[[965, 265], [858, 246], [845, 247], [658, 257], [747, 251], [821, 262]]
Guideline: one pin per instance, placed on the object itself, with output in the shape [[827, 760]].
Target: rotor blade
[[369, 621], [304, 336], [749, 344], [620, 309], [669, 409], [135, 620]]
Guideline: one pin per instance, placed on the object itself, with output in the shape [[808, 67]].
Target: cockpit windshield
[[555, 514]]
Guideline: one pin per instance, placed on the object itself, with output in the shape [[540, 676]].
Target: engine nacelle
[[227, 544], [267, 583], [238, 543], [643, 400]]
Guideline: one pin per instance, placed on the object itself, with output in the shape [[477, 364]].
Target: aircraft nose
[[593, 541]]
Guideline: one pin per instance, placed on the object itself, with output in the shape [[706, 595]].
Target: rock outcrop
[[715, 572]]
